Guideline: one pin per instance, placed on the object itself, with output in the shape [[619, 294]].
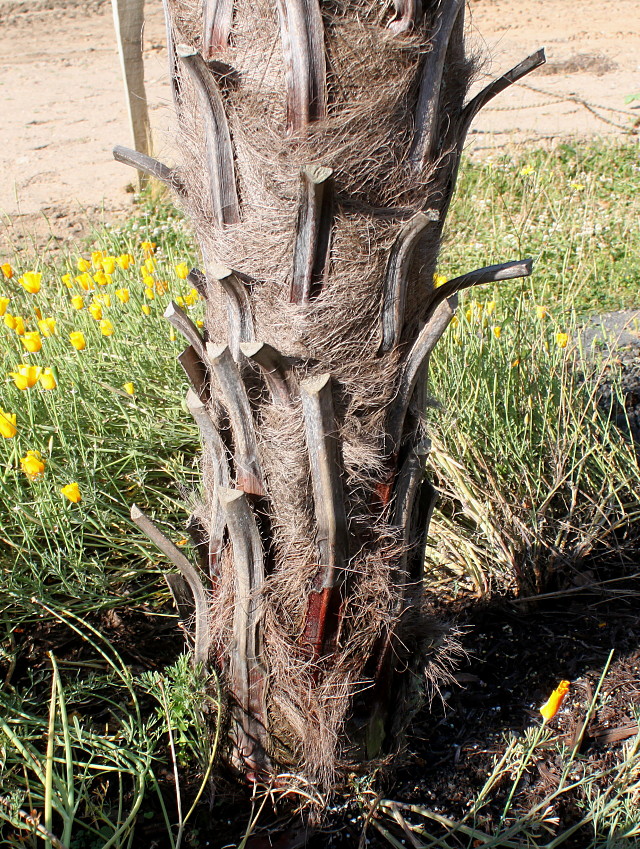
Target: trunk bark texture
[[321, 145]]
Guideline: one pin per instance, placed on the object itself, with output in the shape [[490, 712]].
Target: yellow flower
[[455, 321], [109, 264], [526, 170], [124, 261], [180, 301], [497, 332], [86, 281], [562, 340], [149, 293], [148, 248], [490, 307], [439, 280], [18, 325], [146, 309], [32, 341], [96, 310], [8, 427], [199, 323], [102, 279], [67, 279], [162, 287], [122, 295], [32, 465], [47, 327], [30, 281], [150, 264], [148, 281], [578, 187], [48, 379], [77, 340], [26, 376], [468, 313], [541, 312], [192, 297], [182, 270], [129, 388], [72, 492], [106, 328], [515, 363], [83, 264], [172, 334], [96, 259], [38, 313], [104, 299], [77, 302], [10, 321], [4, 303], [6, 270], [553, 704]]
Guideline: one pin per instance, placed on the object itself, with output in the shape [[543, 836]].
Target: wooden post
[[128, 19]]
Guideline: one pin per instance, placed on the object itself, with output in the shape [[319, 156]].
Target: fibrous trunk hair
[[321, 143]]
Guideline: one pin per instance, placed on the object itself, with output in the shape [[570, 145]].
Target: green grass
[[533, 471], [118, 448], [575, 209]]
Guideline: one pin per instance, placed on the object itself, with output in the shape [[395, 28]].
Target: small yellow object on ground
[[47, 327], [47, 379], [8, 427], [77, 340], [26, 376], [553, 704], [32, 341], [30, 281], [72, 492], [32, 465]]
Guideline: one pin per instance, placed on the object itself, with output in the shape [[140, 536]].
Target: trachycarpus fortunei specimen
[[321, 145]]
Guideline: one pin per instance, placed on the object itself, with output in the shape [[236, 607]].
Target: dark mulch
[[144, 640], [517, 653]]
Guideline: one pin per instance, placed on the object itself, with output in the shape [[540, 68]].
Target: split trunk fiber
[[321, 144]]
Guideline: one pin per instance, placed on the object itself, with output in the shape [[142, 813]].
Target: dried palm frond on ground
[[321, 146]]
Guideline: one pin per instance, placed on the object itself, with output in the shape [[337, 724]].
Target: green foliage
[[185, 704], [88, 777], [119, 448], [531, 466], [575, 209]]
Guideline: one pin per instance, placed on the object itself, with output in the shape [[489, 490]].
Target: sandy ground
[[62, 102]]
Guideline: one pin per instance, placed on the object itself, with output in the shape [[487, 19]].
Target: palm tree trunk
[[321, 146]]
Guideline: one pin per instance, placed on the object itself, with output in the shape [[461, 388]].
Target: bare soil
[[63, 104]]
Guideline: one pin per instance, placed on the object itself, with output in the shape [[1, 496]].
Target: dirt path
[[63, 106]]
